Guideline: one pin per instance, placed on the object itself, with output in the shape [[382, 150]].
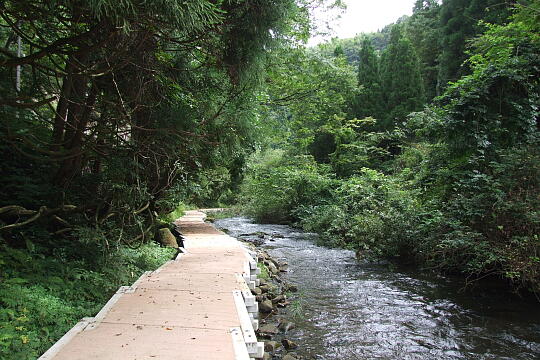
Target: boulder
[[267, 288], [271, 346], [288, 344], [272, 268], [256, 291], [269, 329], [289, 357], [266, 306], [291, 288], [166, 238], [286, 326]]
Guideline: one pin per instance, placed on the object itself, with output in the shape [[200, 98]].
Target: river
[[347, 309]]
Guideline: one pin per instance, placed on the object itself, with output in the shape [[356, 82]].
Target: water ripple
[[353, 310]]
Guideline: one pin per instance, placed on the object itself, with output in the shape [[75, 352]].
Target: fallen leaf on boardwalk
[[168, 328]]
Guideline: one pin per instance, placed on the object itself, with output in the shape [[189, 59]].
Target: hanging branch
[[42, 212]]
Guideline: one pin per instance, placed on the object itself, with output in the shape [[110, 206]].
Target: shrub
[[276, 185], [370, 212]]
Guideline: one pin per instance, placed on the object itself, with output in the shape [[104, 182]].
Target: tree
[[369, 100], [459, 21], [422, 28], [305, 89], [125, 105], [402, 85]]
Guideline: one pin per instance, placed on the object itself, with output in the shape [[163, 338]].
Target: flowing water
[[352, 310]]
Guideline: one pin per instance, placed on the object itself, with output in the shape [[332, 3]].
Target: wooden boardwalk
[[197, 307]]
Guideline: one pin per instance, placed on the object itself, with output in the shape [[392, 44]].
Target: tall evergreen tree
[[402, 85], [422, 28], [459, 21], [368, 102]]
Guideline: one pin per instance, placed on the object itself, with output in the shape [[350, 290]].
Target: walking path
[[197, 307]]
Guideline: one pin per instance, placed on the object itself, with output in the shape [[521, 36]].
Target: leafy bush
[[370, 212], [276, 185]]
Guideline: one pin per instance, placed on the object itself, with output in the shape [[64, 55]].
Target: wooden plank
[[173, 308]]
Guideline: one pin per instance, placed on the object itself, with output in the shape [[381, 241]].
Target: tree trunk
[[79, 111], [57, 138]]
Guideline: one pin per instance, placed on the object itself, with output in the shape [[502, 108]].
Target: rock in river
[[289, 357], [269, 329], [286, 326], [273, 269], [288, 344], [278, 299], [257, 291], [271, 346], [266, 306]]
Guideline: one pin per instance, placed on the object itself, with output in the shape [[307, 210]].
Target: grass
[[177, 213], [265, 273], [296, 306], [223, 214]]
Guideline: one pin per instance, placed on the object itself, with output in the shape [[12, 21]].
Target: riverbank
[[274, 296], [277, 298]]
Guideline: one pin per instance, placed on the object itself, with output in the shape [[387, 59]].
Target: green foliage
[[276, 184], [486, 221], [402, 84], [480, 173], [497, 105], [177, 213], [265, 273], [305, 91], [370, 212], [456, 188]]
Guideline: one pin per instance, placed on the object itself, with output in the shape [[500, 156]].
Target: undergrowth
[[43, 295]]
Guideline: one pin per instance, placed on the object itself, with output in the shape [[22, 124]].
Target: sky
[[363, 16]]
